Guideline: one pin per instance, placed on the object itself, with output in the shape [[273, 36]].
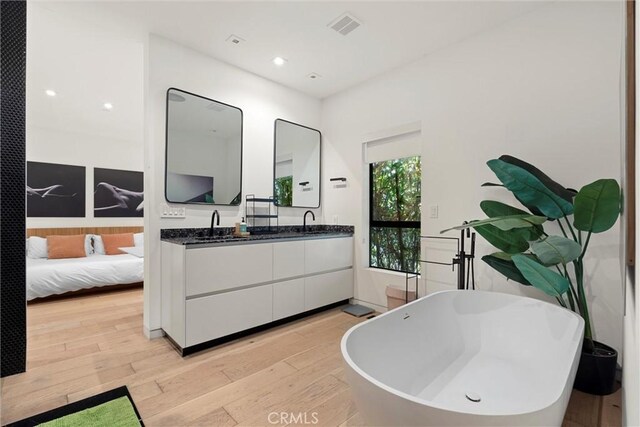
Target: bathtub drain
[[474, 397]]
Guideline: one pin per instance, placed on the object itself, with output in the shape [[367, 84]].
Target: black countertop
[[223, 236]]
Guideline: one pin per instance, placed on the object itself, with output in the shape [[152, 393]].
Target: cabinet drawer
[[328, 288], [328, 254], [288, 260], [288, 298], [222, 268], [219, 315]]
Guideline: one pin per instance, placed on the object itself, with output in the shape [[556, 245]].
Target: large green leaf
[[559, 190], [505, 266], [494, 209], [507, 241], [597, 206], [503, 222], [556, 250], [549, 282], [529, 190]]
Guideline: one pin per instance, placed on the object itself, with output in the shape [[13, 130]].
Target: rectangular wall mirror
[[296, 168], [204, 150]]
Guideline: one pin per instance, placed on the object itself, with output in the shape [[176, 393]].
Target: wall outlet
[[433, 211], [173, 212]]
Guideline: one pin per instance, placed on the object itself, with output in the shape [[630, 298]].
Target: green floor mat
[[113, 408], [116, 413]]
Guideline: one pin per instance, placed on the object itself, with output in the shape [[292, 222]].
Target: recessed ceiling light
[[107, 106], [279, 61], [50, 92]]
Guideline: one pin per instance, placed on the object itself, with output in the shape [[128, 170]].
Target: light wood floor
[[82, 346]]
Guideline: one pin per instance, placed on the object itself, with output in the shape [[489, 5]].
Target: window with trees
[[284, 190], [394, 214]]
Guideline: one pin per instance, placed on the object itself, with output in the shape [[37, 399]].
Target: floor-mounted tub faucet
[[214, 216], [304, 220]]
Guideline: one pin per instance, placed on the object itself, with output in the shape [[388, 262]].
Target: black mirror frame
[[319, 165], [166, 148]]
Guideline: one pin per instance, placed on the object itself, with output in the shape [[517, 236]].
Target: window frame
[[387, 224]]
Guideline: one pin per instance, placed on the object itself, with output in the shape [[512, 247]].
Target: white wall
[[86, 65], [631, 351], [543, 87], [90, 151], [262, 102]]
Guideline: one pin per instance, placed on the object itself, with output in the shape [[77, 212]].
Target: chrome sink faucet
[[304, 220], [214, 216]]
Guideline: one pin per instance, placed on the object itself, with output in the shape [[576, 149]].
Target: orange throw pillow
[[114, 241], [66, 246]]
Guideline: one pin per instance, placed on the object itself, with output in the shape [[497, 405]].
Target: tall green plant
[[530, 256]]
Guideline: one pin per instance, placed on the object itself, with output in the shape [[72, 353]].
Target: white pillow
[[98, 245], [138, 239], [134, 250], [37, 247]]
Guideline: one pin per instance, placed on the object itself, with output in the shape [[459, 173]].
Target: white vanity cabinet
[[222, 268], [328, 254], [223, 314], [212, 293], [288, 298], [288, 259]]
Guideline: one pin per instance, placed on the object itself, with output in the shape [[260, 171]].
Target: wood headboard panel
[[67, 231]]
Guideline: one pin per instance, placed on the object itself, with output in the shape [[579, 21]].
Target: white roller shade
[[406, 142]]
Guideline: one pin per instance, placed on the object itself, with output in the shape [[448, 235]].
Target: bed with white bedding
[[96, 270], [46, 277]]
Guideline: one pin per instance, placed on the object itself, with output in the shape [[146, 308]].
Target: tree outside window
[[284, 191], [394, 210]]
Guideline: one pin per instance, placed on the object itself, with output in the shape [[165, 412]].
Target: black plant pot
[[597, 370]]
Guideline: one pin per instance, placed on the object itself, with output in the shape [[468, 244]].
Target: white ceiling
[[92, 52], [86, 69], [393, 33]]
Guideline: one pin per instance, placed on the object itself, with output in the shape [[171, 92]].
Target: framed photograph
[[55, 190], [117, 193]]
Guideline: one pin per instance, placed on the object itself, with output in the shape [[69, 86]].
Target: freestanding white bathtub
[[465, 358]]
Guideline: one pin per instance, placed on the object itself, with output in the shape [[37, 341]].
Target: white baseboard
[[153, 334]]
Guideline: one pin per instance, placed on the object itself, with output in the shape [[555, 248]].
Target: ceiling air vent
[[235, 39], [345, 24]]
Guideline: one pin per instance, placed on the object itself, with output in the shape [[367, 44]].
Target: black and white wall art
[[55, 190], [117, 193]]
